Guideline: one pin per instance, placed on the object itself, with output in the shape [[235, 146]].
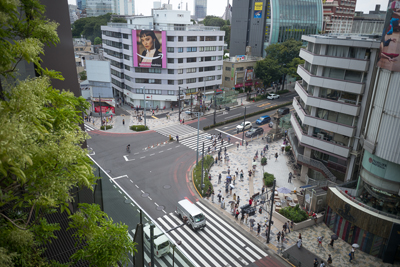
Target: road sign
[[308, 198]]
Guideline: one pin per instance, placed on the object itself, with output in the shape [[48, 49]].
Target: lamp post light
[[173, 251]]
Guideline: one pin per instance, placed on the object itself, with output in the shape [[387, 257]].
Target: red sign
[[104, 109], [245, 84]]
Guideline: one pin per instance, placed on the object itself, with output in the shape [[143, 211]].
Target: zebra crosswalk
[[180, 130], [191, 142], [88, 128], [218, 244]]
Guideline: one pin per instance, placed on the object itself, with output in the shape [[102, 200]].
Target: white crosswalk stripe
[[191, 142], [180, 130], [88, 128], [218, 244]]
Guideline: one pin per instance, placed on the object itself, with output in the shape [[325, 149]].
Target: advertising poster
[[240, 57], [248, 75], [258, 14], [258, 5], [390, 40], [149, 49]]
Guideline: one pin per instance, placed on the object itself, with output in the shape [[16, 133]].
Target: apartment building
[[330, 110], [338, 15], [188, 58]]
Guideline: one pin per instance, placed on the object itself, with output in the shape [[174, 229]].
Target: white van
[[161, 243], [196, 218]]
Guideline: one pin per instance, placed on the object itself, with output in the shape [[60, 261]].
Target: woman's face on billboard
[[147, 42]]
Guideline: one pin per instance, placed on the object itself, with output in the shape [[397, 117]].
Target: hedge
[[281, 92], [208, 162], [294, 214], [268, 179], [261, 97], [247, 116], [138, 128], [106, 127]]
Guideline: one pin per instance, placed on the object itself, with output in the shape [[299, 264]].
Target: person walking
[[230, 189], [238, 200], [351, 257], [241, 175], [250, 201], [282, 237], [222, 203], [322, 264], [234, 197], [331, 243], [123, 122], [319, 241], [219, 196], [352, 253], [250, 172], [219, 178], [284, 228], [276, 156], [258, 229], [237, 215], [232, 206], [299, 243], [263, 189], [288, 226], [237, 146], [177, 139], [329, 259], [290, 178], [316, 262], [278, 236], [212, 196]]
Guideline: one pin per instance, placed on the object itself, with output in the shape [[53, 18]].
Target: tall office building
[[338, 15], [330, 109], [96, 8], [259, 23], [81, 4], [180, 57], [124, 7], [200, 9]]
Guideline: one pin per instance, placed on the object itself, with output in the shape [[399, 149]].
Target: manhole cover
[[160, 208], [224, 172], [127, 201], [108, 171], [145, 194], [167, 186]]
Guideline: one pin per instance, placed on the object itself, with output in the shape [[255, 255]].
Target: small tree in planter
[[263, 162], [287, 149]]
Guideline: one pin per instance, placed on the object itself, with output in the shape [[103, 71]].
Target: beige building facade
[[238, 72]]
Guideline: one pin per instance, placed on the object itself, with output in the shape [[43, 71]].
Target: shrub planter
[[106, 127], [268, 179], [208, 162], [300, 225], [138, 128]]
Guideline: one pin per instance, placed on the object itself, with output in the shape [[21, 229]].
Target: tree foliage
[[41, 158], [225, 26], [90, 27], [268, 70], [119, 20], [97, 40], [100, 236]]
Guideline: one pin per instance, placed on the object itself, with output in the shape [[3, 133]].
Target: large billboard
[[149, 48], [390, 41]]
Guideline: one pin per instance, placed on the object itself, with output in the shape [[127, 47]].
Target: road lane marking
[[228, 134], [126, 159], [237, 115], [152, 154], [143, 157], [160, 152], [137, 186], [154, 117], [115, 178], [156, 204]]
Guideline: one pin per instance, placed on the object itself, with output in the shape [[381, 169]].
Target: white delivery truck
[[196, 218], [161, 243]]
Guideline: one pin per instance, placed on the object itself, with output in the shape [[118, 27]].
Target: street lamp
[[179, 101], [173, 251]]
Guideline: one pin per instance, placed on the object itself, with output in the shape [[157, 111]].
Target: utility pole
[[202, 175], [152, 244], [215, 106], [272, 207], [244, 123], [198, 126], [101, 113], [179, 102], [191, 103], [144, 97]]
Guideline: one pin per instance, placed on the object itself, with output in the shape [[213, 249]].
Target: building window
[[180, 60], [192, 80], [227, 68], [148, 70], [127, 57], [125, 36], [191, 70], [201, 38], [171, 60], [219, 77], [210, 58], [127, 67], [220, 48], [126, 47], [209, 68], [240, 69], [210, 48], [219, 57], [210, 78], [201, 69], [171, 71], [201, 59], [180, 49], [239, 80], [219, 67], [227, 78], [201, 49], [192, 38], [200, 79], [191, 59], [170, 49], [191, 49], [180, 71], [180, 38], [221, 38], [180, 81], [170, 38], [171, 92], [172, 82], [211, 38]]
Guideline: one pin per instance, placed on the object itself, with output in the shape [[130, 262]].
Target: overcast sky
[[217, 7]]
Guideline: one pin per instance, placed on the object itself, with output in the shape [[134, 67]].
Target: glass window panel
[[354, 76], [332, 116], [345, 119]]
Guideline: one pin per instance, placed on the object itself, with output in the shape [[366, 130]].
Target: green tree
[[41, 157], [82, 75], [268, 70], [90, 28], [291, 67], [97, 40], [213, 21], [119, 20], [98, 235], [227, 29]]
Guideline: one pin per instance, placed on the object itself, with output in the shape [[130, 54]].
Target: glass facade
[[200, 8], [287, 19]]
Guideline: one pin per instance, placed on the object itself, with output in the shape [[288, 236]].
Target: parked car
[[272, 96], [247, 125], [283, 111], [254, 132], [263, 119]]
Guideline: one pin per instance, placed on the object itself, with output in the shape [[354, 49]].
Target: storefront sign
[[258, 14], [258, 5]]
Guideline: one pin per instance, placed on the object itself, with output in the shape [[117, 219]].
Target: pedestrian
[[246, 217], [282, 237], [234, 197], [352, 252], [222, 203], [216, 160], [238, 200], [276, 156], [250, 201], [299, 235], [237, 172], [278, 236], [258, 229], [250, 172], [219, 196], [232, 206], [219, 178], [291, 225], [183, 120], [263, 189], [329, 259], [331, 243], [234, 179], [319, 241], [299, 243], [153, 112], [290, 178], [177, 139], [322, 264], [282, 149], [316, 262], [229, 170], [251, 225], [212, 197], [237, 146], [241, 175], [235, 208], [351, 256], [288, 226], [284, 228], [267, 146], [247, 143], [236, 214]]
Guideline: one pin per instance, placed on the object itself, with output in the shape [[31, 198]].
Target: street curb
[[191, 176]]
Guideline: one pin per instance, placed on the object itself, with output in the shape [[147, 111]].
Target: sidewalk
[[241, 159]]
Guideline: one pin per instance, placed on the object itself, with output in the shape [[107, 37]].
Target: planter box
[[301, 225]]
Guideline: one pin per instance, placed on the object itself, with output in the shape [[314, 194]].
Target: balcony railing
[[309, 161], [319, 183]]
